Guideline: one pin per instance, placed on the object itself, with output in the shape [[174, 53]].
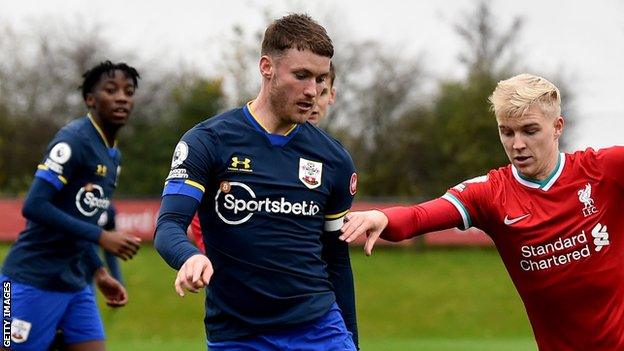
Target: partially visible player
[[51, 260], [271, 192], [555, 219], [325, 99]]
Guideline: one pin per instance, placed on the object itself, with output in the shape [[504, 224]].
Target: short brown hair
[[298, 31]]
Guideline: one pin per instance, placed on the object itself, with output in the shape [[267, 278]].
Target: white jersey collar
[[545, 184]]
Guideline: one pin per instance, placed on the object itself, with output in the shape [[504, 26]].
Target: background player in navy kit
[[271, 192], [53, 257]]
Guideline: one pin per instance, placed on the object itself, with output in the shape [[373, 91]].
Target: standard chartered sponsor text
[[534, 254]]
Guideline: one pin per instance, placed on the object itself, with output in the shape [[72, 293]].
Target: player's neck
[[263, 113], [549, 167], [108, 132]]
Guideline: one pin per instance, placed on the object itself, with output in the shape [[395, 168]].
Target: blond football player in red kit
[[554, 218]]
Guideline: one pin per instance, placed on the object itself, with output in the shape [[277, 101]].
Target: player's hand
[[371, 223], [113, 291], [194, 274], [120, 244]]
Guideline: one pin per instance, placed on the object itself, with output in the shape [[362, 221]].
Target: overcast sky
[[581, 39]]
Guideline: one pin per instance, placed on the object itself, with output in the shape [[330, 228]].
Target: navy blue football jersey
[[83, 168], [265, 200]]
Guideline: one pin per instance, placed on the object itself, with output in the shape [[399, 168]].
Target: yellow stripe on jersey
[[99, 130], [338, 215], [262, 125], [195, 184], [291, 129], [45, 168]]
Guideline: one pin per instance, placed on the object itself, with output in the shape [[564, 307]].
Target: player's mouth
[[522, 160], [305, 106], [121, 112]]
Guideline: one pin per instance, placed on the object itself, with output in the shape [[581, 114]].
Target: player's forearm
[[112, 262], [92, 260], [170, 239], [38, 208], [405, 222]]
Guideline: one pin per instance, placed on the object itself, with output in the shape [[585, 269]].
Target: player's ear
[[266, 66], [559, 122], [332, 96], [90, 100]]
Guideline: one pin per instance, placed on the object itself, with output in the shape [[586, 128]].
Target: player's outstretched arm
[[371, 223], [401, 222], [113, 291], [194, 274]]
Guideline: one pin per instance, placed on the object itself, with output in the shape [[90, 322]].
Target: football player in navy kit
[[50, 263], [271, 192]]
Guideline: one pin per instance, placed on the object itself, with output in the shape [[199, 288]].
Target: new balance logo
[[510, 221], [601, 236]]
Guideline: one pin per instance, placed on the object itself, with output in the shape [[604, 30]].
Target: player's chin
[[313, 119], [300, 117]]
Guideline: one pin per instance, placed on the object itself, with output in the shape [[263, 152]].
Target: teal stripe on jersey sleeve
[[460, 207]]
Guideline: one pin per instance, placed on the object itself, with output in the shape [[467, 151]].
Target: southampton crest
[[310, 173]]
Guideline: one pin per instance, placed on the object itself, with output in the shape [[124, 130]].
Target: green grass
[[433, 300]]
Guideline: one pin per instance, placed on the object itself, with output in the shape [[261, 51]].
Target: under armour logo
[[240, 164], [101, 170]]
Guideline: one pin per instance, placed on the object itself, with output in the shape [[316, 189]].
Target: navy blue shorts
[[37, 314], [327, 333]]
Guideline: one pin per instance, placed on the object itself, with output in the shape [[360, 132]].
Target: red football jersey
[[562, 242]]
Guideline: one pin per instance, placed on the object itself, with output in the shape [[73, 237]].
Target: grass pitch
[[432, 300]]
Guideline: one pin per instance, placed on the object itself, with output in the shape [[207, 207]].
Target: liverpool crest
[[585, 198]]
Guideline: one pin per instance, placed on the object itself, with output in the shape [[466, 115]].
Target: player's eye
[[506, 132]]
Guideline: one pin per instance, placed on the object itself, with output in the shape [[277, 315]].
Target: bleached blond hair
[[513, 97]]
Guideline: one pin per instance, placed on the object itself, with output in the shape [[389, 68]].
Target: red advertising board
[[139, 217]]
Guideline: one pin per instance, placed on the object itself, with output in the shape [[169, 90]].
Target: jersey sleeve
[[62, 158], [343, 190], [612, 162], [471, 199], [193, 158]]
